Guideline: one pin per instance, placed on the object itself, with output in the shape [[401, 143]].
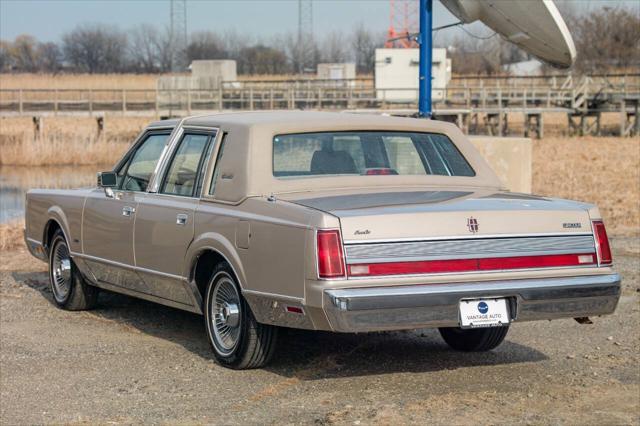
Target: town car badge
[[472, 224]]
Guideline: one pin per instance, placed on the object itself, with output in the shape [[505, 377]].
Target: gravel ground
[[131, 361]]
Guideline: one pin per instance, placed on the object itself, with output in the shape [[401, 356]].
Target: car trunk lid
[[413, 232]]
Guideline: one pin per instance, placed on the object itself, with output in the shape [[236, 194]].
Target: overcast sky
[[47, 20]]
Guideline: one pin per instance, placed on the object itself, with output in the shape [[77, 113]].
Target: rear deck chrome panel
[[468, 248]]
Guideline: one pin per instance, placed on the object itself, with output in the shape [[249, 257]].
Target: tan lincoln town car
[[321, 221]]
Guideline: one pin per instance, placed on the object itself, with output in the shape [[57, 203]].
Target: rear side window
[[367, 153], [182, 176]]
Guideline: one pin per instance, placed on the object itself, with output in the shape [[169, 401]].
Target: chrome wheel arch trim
[[56, 214], [217, 243]]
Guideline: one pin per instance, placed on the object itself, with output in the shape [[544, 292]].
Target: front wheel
[[70, 290], [474, 339], [237, 339]]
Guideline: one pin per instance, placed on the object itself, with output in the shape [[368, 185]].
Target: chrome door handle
[[181, 219], [128, 211]]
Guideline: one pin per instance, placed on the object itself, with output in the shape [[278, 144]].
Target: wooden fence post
[[38, 127], [157, 101], [20, 102], [100, 127]]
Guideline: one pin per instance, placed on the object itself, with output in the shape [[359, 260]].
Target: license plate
[[483, 313]]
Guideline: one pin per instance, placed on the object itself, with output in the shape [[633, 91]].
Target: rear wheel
[[70, 290], [474, 339], [237, 339]]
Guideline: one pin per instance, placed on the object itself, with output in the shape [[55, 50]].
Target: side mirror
[[107, 179]]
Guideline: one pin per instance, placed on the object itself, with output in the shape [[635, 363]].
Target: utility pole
[[305, 35], [178, 35], [426, 57]]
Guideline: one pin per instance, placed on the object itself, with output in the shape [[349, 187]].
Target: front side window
[[135, 175], [182, 176], [367, 153]]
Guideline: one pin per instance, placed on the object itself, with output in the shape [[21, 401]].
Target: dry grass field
[[604, 171], [11, 235], [108, 81], [66, 140], [78, 81]]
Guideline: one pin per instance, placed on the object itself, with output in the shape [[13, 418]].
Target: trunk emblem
[[472, 224]]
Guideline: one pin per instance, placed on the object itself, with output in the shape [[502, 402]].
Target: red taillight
[[469, 265], [602, 242], [330, 260]]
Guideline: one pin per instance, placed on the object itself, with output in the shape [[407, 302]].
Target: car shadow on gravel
[[309, 355], [301, 354]]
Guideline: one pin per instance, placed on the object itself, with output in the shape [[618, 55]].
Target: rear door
[[164, 225], [108, 218]]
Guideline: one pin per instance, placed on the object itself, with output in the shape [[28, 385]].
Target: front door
[[164, 225], [108, 222]]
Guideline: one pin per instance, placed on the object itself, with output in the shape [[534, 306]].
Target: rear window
[[367, 153]]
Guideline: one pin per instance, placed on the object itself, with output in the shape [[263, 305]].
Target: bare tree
[[205, 45], [49, 57], [144, 49], [235, 42], [7, 62], [164, 50], [95, 49], [475, 56], [261, 59], [606, 38], [334, 48], [364, 45], [25, 53]]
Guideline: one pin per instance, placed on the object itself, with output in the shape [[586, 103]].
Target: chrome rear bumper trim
[[423, 306]]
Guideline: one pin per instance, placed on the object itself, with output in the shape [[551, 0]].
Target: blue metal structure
[[426, 52]]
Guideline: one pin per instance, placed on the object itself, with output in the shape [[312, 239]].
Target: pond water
[[16, 181]]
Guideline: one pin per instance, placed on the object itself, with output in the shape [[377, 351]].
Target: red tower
[[404, 20]]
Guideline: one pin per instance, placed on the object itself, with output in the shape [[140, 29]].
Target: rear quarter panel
[[63, 206], [267, 243]]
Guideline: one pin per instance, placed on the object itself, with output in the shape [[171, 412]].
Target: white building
[[397, 74], [339, 71]]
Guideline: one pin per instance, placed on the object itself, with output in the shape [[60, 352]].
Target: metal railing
[[309, 95]]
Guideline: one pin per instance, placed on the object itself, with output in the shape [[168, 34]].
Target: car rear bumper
[[437, 305]]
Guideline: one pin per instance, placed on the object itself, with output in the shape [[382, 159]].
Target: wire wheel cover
[[61, 272], [225, 315]]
